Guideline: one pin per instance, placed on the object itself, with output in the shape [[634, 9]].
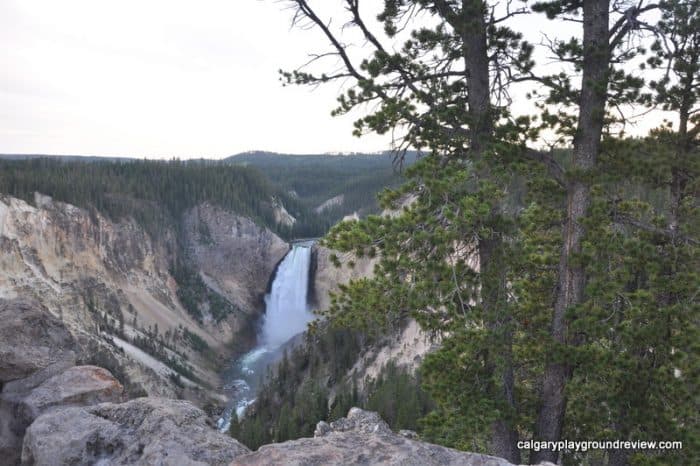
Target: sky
[[162, 79]]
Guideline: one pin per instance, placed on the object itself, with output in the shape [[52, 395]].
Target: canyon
[[101, 360]]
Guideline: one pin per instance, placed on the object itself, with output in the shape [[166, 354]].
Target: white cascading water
[[286, 308], [286, 315]]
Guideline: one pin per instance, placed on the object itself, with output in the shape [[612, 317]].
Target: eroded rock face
[[362, 438], [96, 278], [144, 431], [235, 256], [327, 277], [103, 288], [58, 385], [405, 347], [30, 339]]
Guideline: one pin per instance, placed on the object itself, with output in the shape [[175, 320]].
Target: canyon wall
[[110, 285]]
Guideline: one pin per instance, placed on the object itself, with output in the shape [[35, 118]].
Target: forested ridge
[[150, 191], [156, 194], [245, 184], [315, 178]]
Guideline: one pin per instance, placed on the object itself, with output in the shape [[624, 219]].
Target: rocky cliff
[[109, 287], [234, 255], [326, 276], [405, 346], [77, 289]]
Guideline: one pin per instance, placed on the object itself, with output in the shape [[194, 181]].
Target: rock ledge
[[361, 438], [144, 431]]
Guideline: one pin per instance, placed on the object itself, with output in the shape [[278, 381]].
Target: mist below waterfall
[[286, 315]]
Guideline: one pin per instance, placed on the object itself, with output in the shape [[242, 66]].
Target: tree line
[[155, 193], [314, 179]]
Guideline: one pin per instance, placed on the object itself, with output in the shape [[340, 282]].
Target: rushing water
[[286, 315]]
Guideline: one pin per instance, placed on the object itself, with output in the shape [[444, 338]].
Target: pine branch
[[666, 232]]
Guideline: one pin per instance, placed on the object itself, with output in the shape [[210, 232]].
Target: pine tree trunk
[[678, 179], [571, 277], [504, 437]]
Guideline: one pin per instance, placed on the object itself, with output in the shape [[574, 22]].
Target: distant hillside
[[155, 193], [316, 189], [318, 178]]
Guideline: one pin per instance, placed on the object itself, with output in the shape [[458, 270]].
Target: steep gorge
[[100, 293], [111, 285]]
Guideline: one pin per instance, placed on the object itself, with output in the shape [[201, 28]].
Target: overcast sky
[[161, 78]]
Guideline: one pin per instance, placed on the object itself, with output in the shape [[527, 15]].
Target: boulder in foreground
[[144, 431], [23, 400], [31, 339]]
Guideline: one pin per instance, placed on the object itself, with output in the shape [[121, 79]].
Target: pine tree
[[525, 330]]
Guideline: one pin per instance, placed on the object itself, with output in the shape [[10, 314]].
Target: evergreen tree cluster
[[309, 385], [314, 179], [195, 296], [154, 193], [564, 283]]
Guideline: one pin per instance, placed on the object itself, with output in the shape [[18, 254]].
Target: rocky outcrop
[[406, 347], [31, 339], [332, 202], [79, 386], [235, 256], [144, 431], [57, 385], [361, 438], [282, 217]]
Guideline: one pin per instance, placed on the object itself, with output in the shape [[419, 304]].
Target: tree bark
[[571, 278], [504, 437]]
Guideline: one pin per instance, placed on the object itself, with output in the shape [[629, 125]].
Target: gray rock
[[77, 386], [359, 420], [322, 428], [31, 339], [235, 256], [362, 438], [408, 434], [144, 431], [24, 400]]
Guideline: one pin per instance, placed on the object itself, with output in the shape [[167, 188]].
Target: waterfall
[[286, 315], [286, 307]]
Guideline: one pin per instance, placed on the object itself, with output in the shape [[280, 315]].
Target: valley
[[471, 236], [179, 292]]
